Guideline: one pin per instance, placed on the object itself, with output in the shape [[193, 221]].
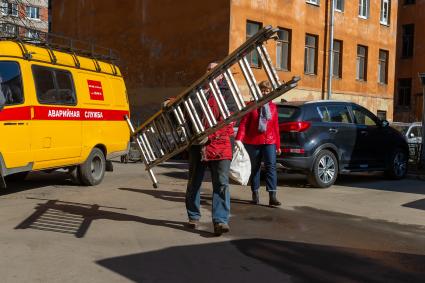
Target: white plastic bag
[[240, 168]]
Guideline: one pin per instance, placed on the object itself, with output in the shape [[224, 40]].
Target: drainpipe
[[331, 48], [422, 80]]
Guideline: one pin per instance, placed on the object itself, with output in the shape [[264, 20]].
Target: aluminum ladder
[[189, 117]]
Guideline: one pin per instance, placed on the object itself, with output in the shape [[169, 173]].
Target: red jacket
[[218, 146], [248, 129]]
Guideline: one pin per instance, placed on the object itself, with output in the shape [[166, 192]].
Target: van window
[[54, 86], [11, 83]]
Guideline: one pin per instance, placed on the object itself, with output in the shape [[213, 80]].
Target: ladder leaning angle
[[174, 128]]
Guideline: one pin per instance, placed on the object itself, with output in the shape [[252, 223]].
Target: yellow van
[[59, 110]]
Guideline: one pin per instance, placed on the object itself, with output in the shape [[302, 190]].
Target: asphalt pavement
[[363, 229]]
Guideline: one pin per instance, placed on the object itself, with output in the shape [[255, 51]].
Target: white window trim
[[339, 10], [367, 10], [385, 20], [33, 19], [313, 2]]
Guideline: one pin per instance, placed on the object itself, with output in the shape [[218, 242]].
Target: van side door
[[15, 150], [56, 130]]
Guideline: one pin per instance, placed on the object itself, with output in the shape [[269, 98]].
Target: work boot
[[220, 228], [255, 198], [193, 223], [273, 200]]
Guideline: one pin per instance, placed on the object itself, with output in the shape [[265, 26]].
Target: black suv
[[324, 138]]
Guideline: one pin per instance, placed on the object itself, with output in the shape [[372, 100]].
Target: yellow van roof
[[43, 53]]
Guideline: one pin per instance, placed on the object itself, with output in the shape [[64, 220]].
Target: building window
[[33, 13], [383, 66], [385, 12], [339, 5], [4, 7], [361, 66], [408, 33], [14, 9], [9, 29], [364, 9], [315, 2], [409, 2], [251, 29], [337, 59], [32, 34], [310, 54], [283, 50], [404, 92]]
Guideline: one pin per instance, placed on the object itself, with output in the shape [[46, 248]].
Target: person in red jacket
[[216, 154], [259, 133]]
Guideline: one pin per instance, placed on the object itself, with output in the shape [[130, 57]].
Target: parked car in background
[[324, 138], [413, 135]]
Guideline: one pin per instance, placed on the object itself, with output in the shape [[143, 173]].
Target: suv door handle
[[333, 130], [364, 133]]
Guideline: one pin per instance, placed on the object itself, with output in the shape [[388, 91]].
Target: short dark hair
[[265, 85]]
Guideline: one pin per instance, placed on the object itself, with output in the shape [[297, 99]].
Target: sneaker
[[220, 228], [193, 223], [255, 198]]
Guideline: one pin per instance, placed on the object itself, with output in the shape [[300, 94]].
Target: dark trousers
[[267, 154], [220, 181]]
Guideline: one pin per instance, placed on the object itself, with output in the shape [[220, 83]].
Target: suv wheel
[[325, 170], [93, 170], [397, 167]]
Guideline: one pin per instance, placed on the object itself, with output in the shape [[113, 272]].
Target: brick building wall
[[410, 61]]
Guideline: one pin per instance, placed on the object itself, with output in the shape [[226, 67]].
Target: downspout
[[331, 48]]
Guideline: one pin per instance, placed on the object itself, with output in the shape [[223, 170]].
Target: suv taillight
[[294, 126]]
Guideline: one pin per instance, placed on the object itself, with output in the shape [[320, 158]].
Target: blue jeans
[[220, 181], [267, 154]]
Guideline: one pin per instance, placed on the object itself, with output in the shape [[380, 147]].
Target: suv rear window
[[288, 113]]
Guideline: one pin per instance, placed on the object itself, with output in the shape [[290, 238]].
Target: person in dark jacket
[[259, 133], [216, 154]]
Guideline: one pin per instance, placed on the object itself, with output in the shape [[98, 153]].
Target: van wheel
[[93, 170], [21, 176], [325, 170], [397, 167]]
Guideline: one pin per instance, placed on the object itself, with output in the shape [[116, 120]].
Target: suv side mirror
[[385, 123]]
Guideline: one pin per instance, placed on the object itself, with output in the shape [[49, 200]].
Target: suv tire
[[92, 171], [324, 171], [397, 164]]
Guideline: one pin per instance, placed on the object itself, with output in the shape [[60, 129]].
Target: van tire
[[93, 169]]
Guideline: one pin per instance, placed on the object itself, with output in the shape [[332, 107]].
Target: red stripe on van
[[16, 114], [61, 114]]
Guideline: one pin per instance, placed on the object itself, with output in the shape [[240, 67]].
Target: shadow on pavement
[[76, 218], [262, 260], [417, 204], [38, 180]]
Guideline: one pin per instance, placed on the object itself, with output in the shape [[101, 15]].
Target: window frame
[[364, 5], [342, 2], [405, 94], [306, 49], [55, 83], [288, 43], [410, 38], [380, 62], [21, 83], [29, 10], [250, 61], [313, 2], [385, 19], [340, 59], [365, 65]]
